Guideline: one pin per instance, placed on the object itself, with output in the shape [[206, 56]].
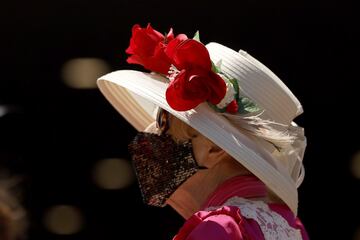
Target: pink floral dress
[[229, 214]]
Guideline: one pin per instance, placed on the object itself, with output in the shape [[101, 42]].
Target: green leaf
[[215, 68], [197, 36], [235, 84], [247, 106]]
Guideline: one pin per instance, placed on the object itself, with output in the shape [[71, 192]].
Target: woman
[[224, 151]]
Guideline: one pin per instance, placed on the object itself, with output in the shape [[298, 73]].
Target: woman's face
[[191, 194], [202, 149]]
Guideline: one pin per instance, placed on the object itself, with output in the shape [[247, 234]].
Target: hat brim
[[135, 95]]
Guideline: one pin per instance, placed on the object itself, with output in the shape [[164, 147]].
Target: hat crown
[[257, 82]]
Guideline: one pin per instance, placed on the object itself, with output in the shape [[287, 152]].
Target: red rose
[[196, 81], [147, 48]]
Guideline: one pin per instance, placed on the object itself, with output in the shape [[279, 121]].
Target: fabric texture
[[223, 218]]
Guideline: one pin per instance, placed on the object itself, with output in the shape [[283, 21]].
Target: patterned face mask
[[161, 165]]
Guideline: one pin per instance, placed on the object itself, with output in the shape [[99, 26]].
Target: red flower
[[147, 48], [196, 82]]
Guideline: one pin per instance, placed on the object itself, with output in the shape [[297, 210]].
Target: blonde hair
[[180, 131]]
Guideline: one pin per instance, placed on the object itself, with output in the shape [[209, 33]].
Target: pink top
[[227, 222]]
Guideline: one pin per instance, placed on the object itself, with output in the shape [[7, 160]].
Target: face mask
[[161, 165]]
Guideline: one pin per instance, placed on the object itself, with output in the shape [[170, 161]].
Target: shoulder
[[224, 223], [242, 219]]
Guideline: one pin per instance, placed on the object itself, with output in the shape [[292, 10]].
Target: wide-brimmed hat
[[137, 96]]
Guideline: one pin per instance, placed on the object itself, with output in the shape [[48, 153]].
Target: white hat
[[137, 95]]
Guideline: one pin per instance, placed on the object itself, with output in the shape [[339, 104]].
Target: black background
[[54, 134]]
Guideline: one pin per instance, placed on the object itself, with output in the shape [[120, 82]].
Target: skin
[[193, 193]]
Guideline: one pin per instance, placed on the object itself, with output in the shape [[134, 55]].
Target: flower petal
[[159, 62], [153, 34], [217, 86], [135, 59], [173, 44], [186, 92], [191, 53]]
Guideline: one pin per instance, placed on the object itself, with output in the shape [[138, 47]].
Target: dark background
[[52, 135]]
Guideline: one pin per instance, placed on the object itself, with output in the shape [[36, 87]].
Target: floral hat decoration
[[193, 77], [229, 97]]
